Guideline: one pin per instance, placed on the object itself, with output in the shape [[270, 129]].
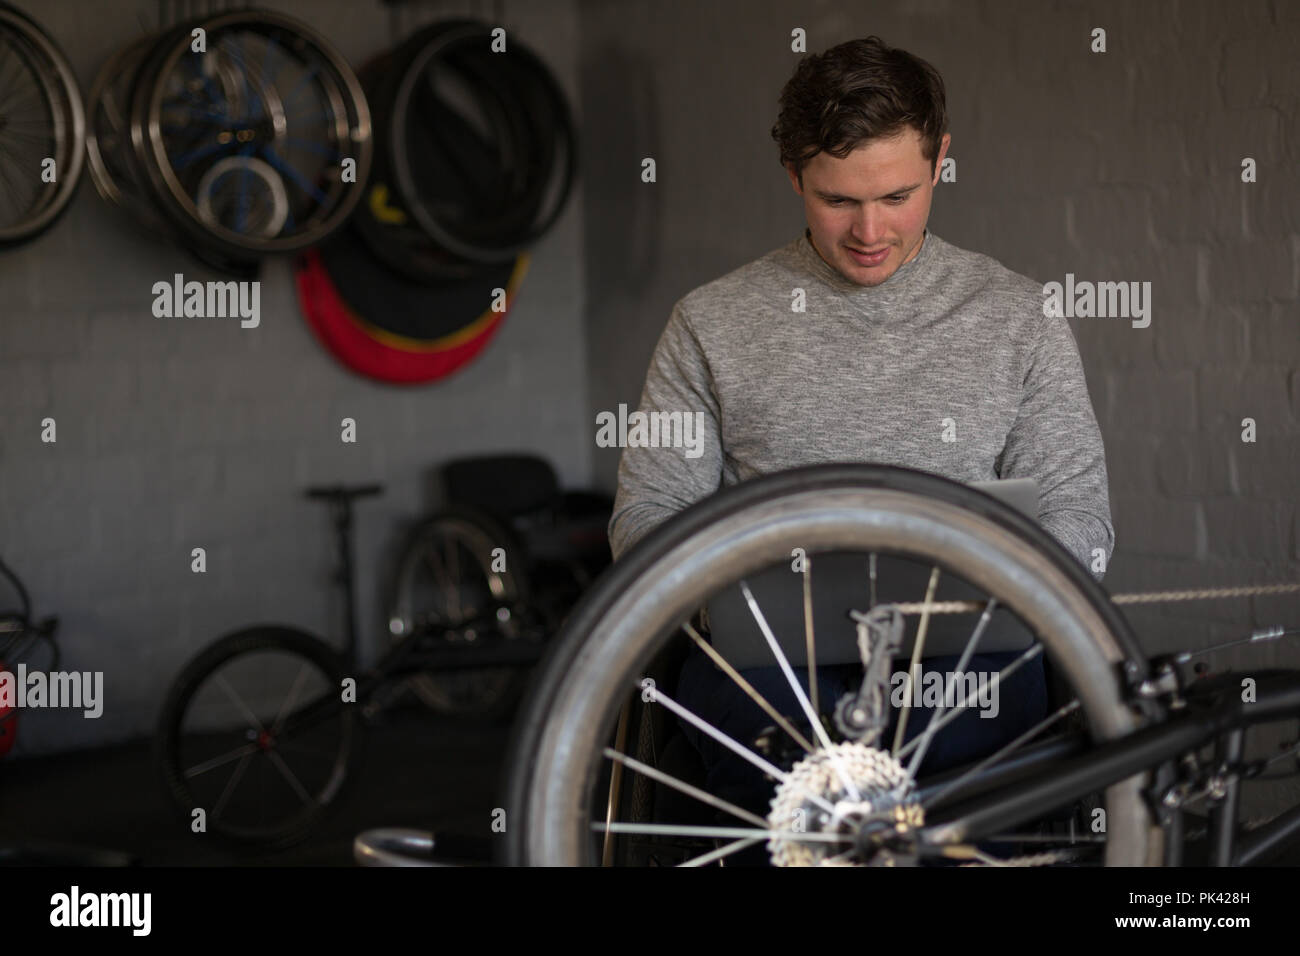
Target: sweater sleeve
[[656, 482], [1056, 441]]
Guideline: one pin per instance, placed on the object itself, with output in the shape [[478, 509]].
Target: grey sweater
[[948, 366]]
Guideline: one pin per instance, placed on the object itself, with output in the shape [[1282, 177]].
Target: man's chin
[[866, 276]]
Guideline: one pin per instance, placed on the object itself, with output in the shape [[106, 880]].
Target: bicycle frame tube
[[999, 809]]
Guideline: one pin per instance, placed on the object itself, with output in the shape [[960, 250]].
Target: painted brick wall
[[175, 434]]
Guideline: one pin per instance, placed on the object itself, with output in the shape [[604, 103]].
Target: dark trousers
[[712, 695]]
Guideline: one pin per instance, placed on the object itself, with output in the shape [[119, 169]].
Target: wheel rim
[[447, 578], [556, 800], [295, 106], [237, 755], [41, 116]]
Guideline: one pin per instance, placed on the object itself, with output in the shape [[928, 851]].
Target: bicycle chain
[[1148, 597], [1047, 858]]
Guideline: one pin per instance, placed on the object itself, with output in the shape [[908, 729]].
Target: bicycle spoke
[[239, 702], [1002, 752], [214, 762], [813, 718], [658, 696], [291, 171], [748, 688], [299, 87], [684, 787], [721, 851], [235, 777], [673, 829], [180, 162], [917, 648], [453, 563], [953, 714], [967, 652], [288, 774], [291, 699], [440, 573], [809, 640]]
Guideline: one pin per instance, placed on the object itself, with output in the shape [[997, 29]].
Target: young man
[[907, 351]]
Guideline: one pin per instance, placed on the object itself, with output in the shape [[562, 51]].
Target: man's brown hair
[[858, 91]]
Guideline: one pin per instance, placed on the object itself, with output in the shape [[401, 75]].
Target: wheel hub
[[872, 827]]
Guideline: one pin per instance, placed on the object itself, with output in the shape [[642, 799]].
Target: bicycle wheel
[[449, 574], [478, 189], [108, 136], [255, 734], [382, 218], [243, 144], [641, 606], [41, 118]]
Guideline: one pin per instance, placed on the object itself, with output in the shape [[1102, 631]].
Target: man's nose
[[869, 228]]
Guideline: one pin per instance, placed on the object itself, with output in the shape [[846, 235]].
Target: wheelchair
[[507, 535]]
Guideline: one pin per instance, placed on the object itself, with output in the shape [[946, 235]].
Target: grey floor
[[418, 770]]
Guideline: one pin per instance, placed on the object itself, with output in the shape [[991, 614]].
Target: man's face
[[875, 200]]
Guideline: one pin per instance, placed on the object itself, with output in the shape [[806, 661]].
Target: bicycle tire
[[108, 136], [474, 245], [176, 752], [632, 611], [67, 120], [488, 693], [348, 124], [383, 218]]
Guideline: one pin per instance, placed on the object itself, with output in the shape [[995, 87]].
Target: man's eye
[[897, 200], [835, 202]]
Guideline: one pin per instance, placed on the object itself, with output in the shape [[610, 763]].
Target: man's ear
[[938, 160], [796, 180]]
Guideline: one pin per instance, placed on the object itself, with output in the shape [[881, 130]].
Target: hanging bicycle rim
[[477, 148], [42, 129]]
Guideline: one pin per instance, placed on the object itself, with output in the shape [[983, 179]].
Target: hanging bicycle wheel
[[481, 143], [382, 217], [862, 799], [108, 136], [451, 572], [254, 742], [244, 143], [41, 123]]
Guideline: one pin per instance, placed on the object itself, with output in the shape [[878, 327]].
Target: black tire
[[45, 65], [636, 607], [488, 693], [525, 86], [259, 681]]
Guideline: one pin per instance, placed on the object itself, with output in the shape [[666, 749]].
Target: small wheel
[[458, 566], [255, 734], [643, 606]]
